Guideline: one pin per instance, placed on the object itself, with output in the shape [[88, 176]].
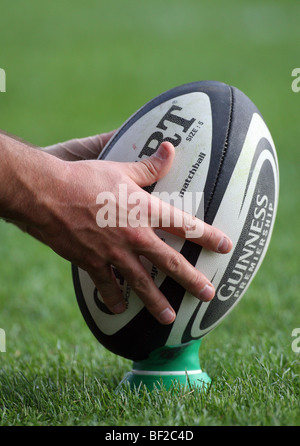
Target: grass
[[254, 385], [83, 70]]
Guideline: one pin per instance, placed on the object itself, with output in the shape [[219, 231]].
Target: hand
[[56, 202], [80, 148], [70, 229]]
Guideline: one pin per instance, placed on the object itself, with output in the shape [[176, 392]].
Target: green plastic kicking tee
[[167, 366]]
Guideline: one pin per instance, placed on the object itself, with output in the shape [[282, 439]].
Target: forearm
[[27, 175], [31, 179]]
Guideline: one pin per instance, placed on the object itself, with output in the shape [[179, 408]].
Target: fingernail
[[166, 316], [207, 293], [161, 152], [223, 246], [119, 308]]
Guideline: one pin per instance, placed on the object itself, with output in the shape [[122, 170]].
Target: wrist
[[28, 180]]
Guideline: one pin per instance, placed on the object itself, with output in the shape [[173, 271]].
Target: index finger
[[175, 221]]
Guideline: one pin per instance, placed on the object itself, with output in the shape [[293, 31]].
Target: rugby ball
[[224, 149]]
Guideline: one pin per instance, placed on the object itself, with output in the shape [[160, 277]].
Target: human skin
[[51, 193]]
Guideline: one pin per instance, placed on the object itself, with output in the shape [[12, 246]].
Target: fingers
[[143, 285], [169, 261], [175, 265], [144, 241], [140, 281], [78, 149], [146, 172], [103, 138], [182, 224], [105, 281], [175, 221], [186, 226]]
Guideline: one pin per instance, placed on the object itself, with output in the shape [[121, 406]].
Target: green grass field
[[81, 68]]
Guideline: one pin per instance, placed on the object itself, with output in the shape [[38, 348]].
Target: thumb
[[148, 171]]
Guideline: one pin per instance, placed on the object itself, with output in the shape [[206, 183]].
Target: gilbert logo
[[2, 341], [158, 137], [296, 81], [2, 81]]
